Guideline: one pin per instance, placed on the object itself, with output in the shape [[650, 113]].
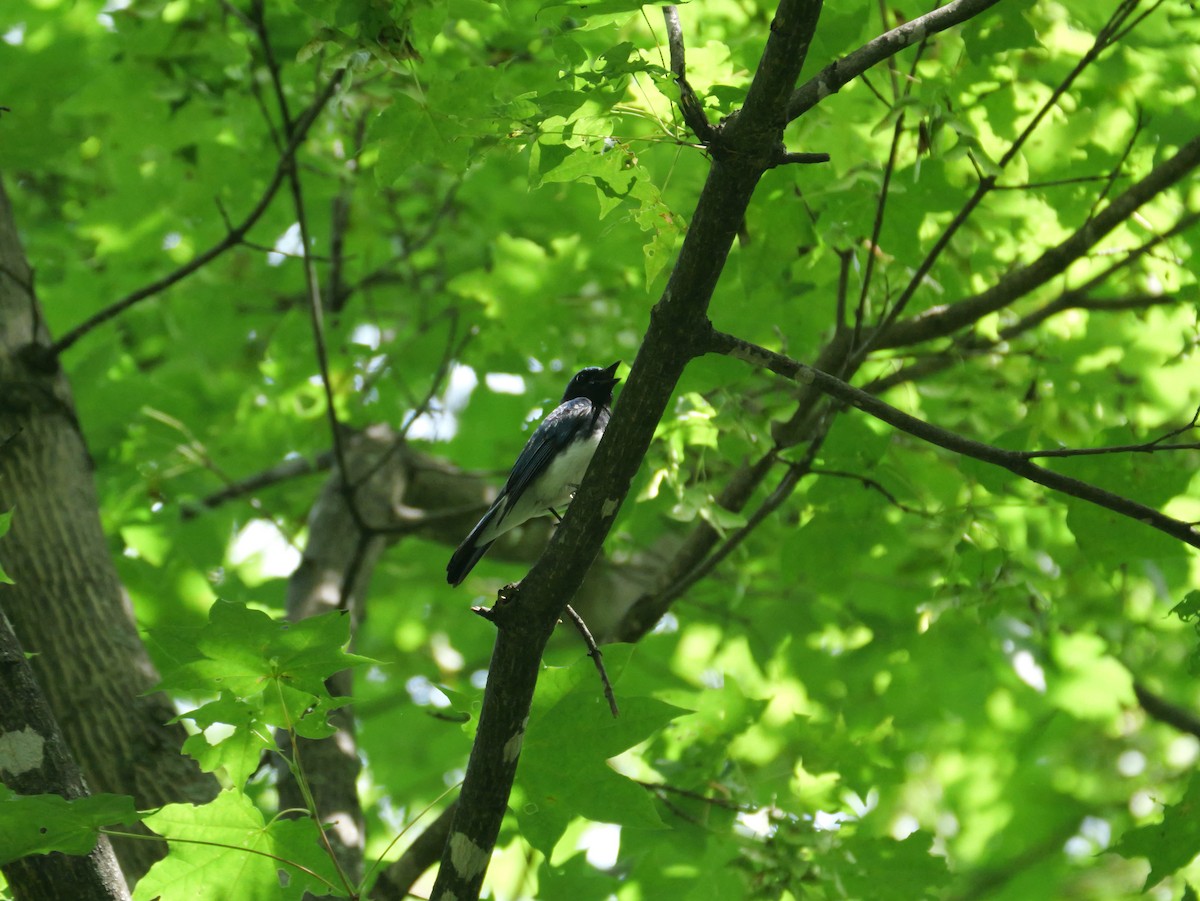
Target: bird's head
[[594, 383]]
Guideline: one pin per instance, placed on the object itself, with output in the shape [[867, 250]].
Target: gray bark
[[68, 606], [35, 760]]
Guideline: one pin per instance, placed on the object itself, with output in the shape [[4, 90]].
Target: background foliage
[[918, 678]]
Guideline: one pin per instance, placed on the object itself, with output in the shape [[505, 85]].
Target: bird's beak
[[610, 371]]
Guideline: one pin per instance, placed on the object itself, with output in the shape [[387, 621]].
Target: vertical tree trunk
[[34, 759], [68, 606]]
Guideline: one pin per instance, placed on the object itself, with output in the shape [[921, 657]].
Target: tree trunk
[[34, 759], [68, 607]]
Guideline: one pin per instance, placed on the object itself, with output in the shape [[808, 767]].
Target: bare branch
[[397, 880], [1102, 42], [689, 103], [597, 658], [281, 472], [1159, 708], [231, 239], [946, 319], [841, 72], [1013, 461]]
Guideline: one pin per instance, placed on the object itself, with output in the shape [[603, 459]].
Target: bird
[[549, 468]]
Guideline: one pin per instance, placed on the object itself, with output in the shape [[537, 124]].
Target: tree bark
[[34, 759], [747, 144], [68, 607]]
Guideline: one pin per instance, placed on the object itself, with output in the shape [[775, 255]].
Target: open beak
[[610, 371]]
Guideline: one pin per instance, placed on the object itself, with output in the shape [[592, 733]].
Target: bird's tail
[[464, 558]]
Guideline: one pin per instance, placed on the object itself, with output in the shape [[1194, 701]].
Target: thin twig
[[877, 229], [946, 319], [791, 478], [399, 875], [297, 770], [985, 185], [231, 239], [664, 788], [883, 16], [689, 103], [1111, 179], [845, 257], [872, 484], [453, 351], [1052, 183], [1146, 447], [282, 472], [311, 281], [952, 441], [841, 72], [1136, 22], [597, 658], [1159, 708]]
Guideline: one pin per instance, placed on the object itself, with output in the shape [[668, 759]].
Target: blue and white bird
[[550, 468]]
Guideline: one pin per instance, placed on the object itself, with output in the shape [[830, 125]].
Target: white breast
[[561, 480], [555, 488]]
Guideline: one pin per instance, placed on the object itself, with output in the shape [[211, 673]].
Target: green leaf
[[1170, 844], [1088, 684], [249, 654], [240, 751], [564, 770], [1189, 608], [5, 524], [889, 870], [589, 8], [268, 674], [225, 849], [40, 824]]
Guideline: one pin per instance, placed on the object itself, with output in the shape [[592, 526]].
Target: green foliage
[[564, 770], [914, 678], [226, 849], [1188, 611], [5, 525], [268, 674], [1170, 844], [41, 824]]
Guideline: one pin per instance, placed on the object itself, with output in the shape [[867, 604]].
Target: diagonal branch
[[1159, 708], [943, 320], [525, 615], [291, 468], [234, 237], [841, 72], [1013, 461], [1104, 40], [689, 103]]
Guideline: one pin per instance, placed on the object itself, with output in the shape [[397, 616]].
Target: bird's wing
[[555, 433]]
